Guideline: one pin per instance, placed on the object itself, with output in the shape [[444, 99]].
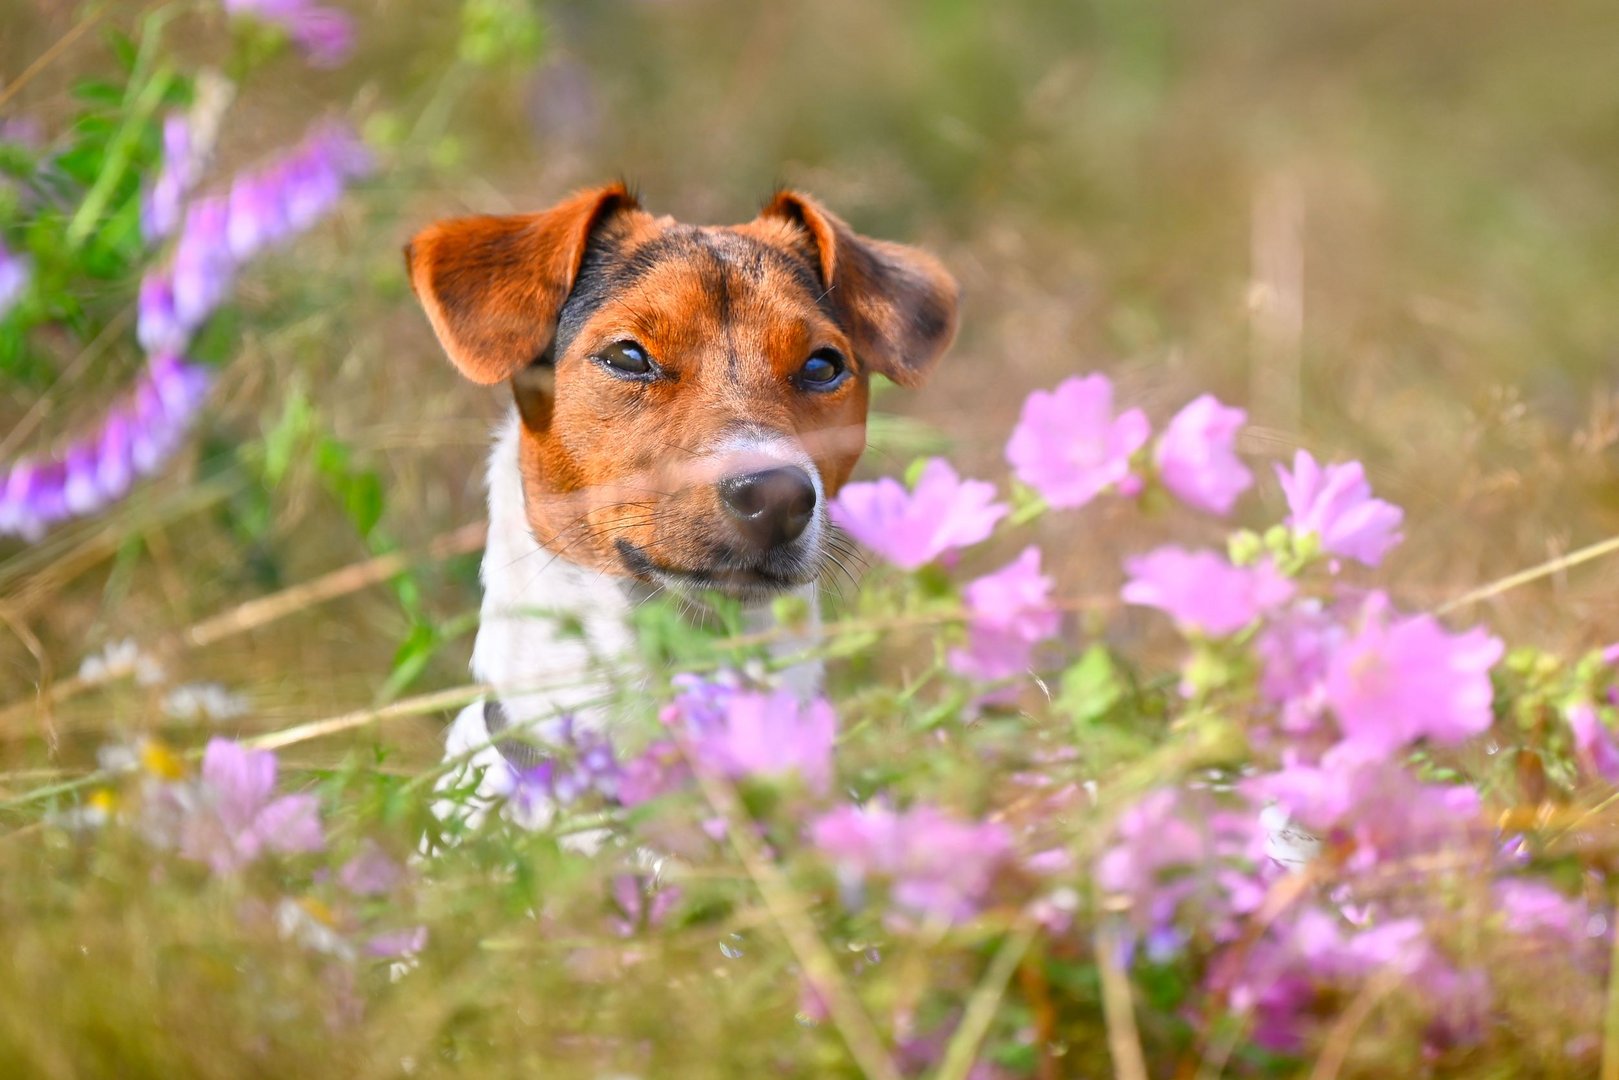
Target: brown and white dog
[[687, 400]]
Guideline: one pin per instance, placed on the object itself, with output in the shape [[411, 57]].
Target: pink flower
[[937, 867], [1335, 505], [1309, 956], [397, 944], [1592, 743], [1293, 651], [1068, 445], [1202, 591], [1175, 853], [772, 735], [371, 872], [1196, 456], [235, 817], [642, 903], [1008, 613], [1398, 680], [911, 529], [739, 733]]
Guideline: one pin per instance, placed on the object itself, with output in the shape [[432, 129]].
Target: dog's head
[[690, 396]]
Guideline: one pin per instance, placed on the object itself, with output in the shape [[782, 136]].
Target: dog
[[686, 401]]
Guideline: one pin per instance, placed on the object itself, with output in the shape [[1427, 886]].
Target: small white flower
[[204, 701]]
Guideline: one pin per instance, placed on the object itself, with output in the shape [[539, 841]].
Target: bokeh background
[[1387, 229]]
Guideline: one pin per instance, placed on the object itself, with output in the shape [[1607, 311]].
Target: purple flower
[[15, 271], [1196, 456], [1401, 679], [1335, 505], [257, 218], [371, 872], [1202, 591], [1309, 955], [397, 944], [1293, 652], [937, 867], [203, 270], [97, 471], [765, 735], [1068, 445], [1592, 744], [641, 903], [181, 168], [236, 818], [1008, 613], [1174, 855], [325, 35], [911, 529], [1373, 811], [157, 327], [1529, 907]]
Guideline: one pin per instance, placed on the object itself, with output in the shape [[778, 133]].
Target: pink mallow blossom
[[1403, 678], [1309, 958], [1178, 856], [1294, 650], [1202, 591], [232, 816], [1593, 743], [1196, 455], [938, 868], [1335, 505], [1372, 811], [1009, 612], [324, 34], [764, 735], [911, 529], [1068, 445]]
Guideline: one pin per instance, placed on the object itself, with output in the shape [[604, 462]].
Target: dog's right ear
[[493, 286]]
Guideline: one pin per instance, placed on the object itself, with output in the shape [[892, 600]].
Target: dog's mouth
[[727, 574]]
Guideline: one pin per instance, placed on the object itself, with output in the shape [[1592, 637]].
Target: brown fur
[[729, 313]]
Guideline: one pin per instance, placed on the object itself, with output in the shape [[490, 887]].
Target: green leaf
[[1090, 688], [363, 501], [410, 660]]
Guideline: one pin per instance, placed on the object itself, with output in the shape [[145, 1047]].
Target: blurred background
[[1388, 230]]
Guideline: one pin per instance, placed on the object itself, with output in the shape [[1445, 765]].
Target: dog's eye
[[823, 370], [626, 357]]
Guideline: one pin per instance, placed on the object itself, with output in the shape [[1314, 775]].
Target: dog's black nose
[[770, 507]]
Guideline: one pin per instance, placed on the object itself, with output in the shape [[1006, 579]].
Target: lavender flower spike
[[134, 440], [164, 202], [292, 194], [15, 271]]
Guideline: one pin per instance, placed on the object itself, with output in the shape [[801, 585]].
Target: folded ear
[[493, 286], [898, 303]]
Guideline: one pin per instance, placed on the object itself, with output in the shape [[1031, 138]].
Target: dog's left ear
[[898, 303], [493, 286]]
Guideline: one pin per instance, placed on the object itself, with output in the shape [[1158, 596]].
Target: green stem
[[137, 113]]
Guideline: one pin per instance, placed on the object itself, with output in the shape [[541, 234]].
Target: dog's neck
[[556, 636]]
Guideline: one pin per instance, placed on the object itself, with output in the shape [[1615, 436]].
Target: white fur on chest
[[555, 639]]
